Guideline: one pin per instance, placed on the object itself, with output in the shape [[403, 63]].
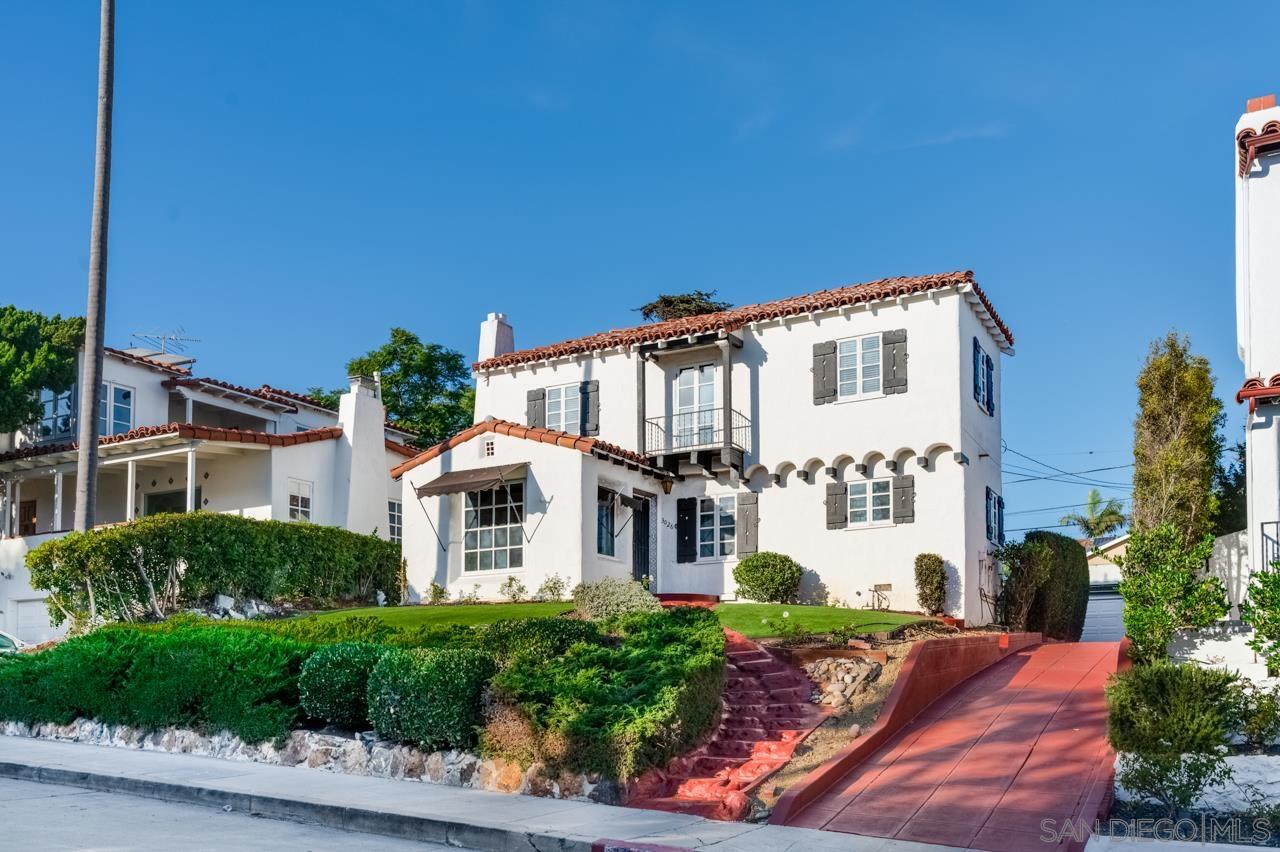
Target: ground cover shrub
[[1060, 603], [205, 678], [334, 683], [430, 698], [611, 597], [1259, 715], [1173, 724], [768, 577], [156, 565], [1164, 590], [931, 583], [541, 638], [620, 707]]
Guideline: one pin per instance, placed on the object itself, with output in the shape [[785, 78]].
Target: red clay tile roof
[[736, 318], [1256, 388], [147, 362], [588, 446], [294, 397], [1249, 142], [189, 431], [401, 449], [218, 383]]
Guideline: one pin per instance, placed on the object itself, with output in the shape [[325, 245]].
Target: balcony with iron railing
[[688, 432], [1270, 542]]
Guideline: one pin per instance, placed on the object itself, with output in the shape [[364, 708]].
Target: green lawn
[[470, 614], [746, 618]]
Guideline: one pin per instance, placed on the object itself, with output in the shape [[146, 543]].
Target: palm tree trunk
[[95, 312]]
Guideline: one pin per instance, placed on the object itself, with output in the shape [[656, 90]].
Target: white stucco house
[[174, 442], [1257, 161], [851, 429]]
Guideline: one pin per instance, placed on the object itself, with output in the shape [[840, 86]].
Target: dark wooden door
[[640, 523], [27, 517]]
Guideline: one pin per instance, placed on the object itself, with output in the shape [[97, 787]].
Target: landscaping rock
[[840, 679], [225, 603]]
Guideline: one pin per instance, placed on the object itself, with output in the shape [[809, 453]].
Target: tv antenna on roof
[[166, 343]]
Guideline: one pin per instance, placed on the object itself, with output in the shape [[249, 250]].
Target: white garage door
[[33, 621], [1104, 620]]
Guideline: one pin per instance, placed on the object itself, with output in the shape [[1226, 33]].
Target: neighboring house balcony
[[700, 437]]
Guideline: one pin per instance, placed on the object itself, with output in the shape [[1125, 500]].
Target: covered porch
[[147, 475]]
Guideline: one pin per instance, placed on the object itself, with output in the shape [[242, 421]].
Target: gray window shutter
[[535, 408], [904, 499], [977, 370], [837, 504], [591, 407], [748, 523], [893, 345], [1000, 520], [824, 372], [989, 366], [687, 529], [986, 511]]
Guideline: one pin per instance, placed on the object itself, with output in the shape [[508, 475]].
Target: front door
[[641, 529], [694, 420], [27, 517]]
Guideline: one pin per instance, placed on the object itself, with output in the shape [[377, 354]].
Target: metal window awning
[[471, 480]]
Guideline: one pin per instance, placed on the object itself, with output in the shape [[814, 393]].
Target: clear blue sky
[[293, 179]]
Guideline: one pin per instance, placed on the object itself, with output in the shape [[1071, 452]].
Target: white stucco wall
[[15, 581]]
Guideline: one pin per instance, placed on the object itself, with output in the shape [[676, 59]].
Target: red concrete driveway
[[1021, 742]]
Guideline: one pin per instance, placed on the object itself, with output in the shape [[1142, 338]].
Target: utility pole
[[95, 312]]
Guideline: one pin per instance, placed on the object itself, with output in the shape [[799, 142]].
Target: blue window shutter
[[991, 383], [977, 370], [1000, 520], [986, 511]]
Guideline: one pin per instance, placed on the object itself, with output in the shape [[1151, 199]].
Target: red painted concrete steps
[[767, 712]]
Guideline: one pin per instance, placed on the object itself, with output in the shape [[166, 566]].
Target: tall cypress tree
[[1176, 441]]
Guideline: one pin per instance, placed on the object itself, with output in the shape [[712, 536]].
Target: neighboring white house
[[172, 442], [1257, 312], [851, 429]]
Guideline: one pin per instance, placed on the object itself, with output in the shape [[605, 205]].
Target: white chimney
[[496, 337]]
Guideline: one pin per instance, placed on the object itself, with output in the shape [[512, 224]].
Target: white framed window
[[564, 408], [717, 526], [606, 521], [870, 502], [695, 398], [859, 367], [300, 497], [492, 538], [395, 520], [488, 449], [115, 409], [57, 414]]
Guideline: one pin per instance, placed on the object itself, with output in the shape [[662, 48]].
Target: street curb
[[491, 838]]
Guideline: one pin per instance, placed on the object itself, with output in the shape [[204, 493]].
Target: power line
[[1041, 527], [1057, 470], [1075, 473], [1067, 506]]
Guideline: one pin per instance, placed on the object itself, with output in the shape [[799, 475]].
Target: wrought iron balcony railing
[[690, 431]]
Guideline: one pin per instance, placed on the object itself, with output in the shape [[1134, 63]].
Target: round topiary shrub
[[335, 680], [430, 699], [768, 578], [611, 597], [931, 583]]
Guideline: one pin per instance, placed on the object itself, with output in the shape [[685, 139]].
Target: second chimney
[[496, 337]]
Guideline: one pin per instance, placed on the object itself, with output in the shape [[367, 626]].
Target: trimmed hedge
[[609, 598], [541, 638], [335, 682], [208, 679], [768, 577], [156, 565], [622, 709], [931, 583], [431, 699], [1059, 607]]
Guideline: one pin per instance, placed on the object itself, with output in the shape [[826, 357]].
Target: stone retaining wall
[[352, 755]]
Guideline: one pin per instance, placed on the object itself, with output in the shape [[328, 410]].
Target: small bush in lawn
[[768, 578], [439, 594], [430, 699], [513, 590], [335, 680], [931, 583], [553, 588], [611, 597], [541, 638]]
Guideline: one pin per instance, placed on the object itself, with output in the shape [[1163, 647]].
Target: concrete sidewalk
[[414, 811]]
